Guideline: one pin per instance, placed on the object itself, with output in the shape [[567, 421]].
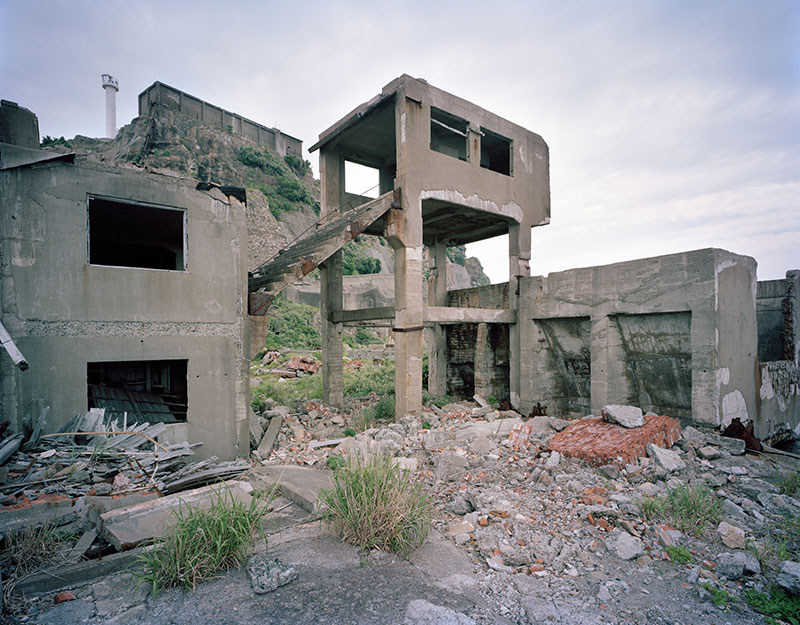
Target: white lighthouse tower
[[110, 86]]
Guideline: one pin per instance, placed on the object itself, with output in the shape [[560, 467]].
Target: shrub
[[356, 262], [202, 543], [374, 505], [371, 378], [790, 484], [291, 325], [688, 508], [298, 165], [263, 160]]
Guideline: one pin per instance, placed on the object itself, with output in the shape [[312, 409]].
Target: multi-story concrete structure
[[123, 289]]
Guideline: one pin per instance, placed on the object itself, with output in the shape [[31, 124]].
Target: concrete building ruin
[[675, 334], [124, 289], [108, 313]]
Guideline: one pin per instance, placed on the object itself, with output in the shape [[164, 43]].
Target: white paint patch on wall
[[733, 406], [723, 376]]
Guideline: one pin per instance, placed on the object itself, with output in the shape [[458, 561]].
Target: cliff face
[[282, 195]]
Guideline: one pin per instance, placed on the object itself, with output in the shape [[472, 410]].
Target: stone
[[751, 564], [450, 466], [733, 512], [268, 574], [694, 435], [709, 453], [460, 505], [789, 577], [421, 612], [627, 547], [256, 430], [497, 564], [734, 446], [610, 471], [731, 535], [553, 460], [626, 416], [463, 527], [730, 565], [666, 458]]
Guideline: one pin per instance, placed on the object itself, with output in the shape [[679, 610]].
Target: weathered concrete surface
[[298, 484], [129, 526], [65, 312], [673, 334]]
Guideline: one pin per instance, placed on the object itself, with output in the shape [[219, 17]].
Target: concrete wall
[[674, 334], [778, 352], [18, 125], [169, 97], [64, 312]]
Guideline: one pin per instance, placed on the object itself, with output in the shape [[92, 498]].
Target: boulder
[[627, 547], [731, 535], [730, 565], [789, 577], [626, 416], [666, 458]]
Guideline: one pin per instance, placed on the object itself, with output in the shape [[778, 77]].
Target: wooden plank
[[447, 314], [363, 314]]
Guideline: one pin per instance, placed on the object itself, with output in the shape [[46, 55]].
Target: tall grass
[[203, 543], [687, 508], [374, 504]]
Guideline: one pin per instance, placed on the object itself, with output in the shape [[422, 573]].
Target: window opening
[[495, 152], [448, 134], [147, 390], [125, 234], [360, 180]]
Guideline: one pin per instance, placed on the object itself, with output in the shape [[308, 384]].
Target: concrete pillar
[[519, 257], [408, 330], [609, 382], [332, 196], [484, 361], [436, 338]]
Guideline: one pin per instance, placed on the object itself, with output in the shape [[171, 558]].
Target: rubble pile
[[524, 510]]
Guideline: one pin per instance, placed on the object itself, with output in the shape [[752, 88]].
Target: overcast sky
[[672, 125]]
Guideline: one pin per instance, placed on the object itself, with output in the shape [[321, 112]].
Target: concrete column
[[519, 257], [332, 196], [408, 330], [436, 338], [599, 362], [484, 361]]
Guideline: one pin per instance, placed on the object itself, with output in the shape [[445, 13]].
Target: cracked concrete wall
[[779, 352], [64, 312], [674, 332]]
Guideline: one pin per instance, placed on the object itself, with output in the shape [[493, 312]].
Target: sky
[[672, 125]]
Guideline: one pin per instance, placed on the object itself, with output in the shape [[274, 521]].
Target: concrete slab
[[126, 527], [299, 484]]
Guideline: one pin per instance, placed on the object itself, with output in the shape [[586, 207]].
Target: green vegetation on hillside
[[286, 189], [290, 325], [355, 261]]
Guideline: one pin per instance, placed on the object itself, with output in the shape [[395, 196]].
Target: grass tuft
[[36, 547], [777, 604], [688, 508], [719, 596], [374, 505], [679, 554], [203, 543], [790, 484]]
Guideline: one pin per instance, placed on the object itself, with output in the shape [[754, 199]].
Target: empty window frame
[[140, 390], [495, 152], [129, 234], [448, 134]]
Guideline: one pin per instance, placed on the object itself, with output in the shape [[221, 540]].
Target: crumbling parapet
[[674, 334]]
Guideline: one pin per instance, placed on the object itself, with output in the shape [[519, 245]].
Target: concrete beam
[[363, 314], [446, 314]]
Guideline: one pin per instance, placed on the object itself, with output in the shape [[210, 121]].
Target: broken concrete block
[[126, 527], [627, 547], [789, 577], [256, 431], [265, 446], [731, 535], [450, 466], [463, 527], [709, 453], [666, 458], [626, 416], [421, 612], [268, 574]]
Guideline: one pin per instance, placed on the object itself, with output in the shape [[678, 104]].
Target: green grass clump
[[790, 484], [370, 378], [286, 391], [374, 505], [335, 462], [778, 604], [688, 508], [678, 554], [719, 596], [440, 401], [202, 543]]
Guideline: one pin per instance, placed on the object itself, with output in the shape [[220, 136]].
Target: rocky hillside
[[282, 195]]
